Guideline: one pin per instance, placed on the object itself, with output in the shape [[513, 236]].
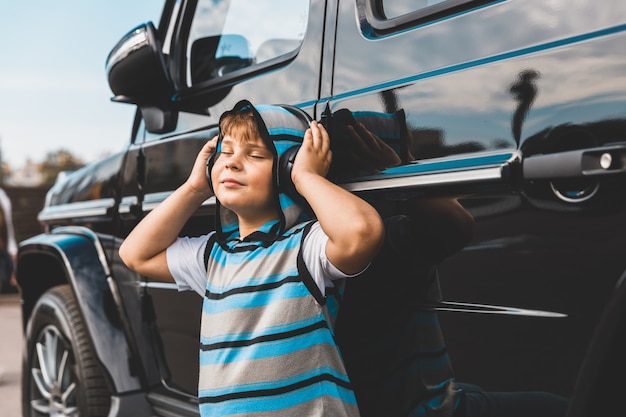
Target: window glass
[[394, 8], [227, 36]]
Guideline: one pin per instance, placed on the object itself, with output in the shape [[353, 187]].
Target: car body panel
[[501, 104]]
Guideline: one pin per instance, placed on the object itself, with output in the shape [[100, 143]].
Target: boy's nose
[[233, 162]]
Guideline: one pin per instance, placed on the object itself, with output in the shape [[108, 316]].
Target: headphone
[[285, 161]]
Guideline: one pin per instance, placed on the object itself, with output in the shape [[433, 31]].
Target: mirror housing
[[136, 69]]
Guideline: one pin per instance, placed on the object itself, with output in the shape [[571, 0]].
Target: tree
[[57, 161]]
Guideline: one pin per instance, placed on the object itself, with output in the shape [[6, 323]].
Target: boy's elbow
[[356, 246], [122, 252], [369, 234], [377, 231], [127, 256]]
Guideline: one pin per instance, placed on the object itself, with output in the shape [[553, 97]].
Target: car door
[[518, 108]]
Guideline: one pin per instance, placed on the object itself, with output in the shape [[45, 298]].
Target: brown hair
[[241, 123]]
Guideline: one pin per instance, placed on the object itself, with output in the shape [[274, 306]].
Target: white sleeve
[[314, 254], [185, 260]]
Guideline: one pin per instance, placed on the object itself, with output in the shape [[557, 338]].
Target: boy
[[266, 343]]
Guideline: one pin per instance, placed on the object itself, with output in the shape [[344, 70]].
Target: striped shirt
[[266, 346]]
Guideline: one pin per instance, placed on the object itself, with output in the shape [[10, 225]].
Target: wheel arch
[[73, 255], [38, 262]]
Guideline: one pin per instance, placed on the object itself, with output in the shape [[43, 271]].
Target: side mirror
[[136, 69]]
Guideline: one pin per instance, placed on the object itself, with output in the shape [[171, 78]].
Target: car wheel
[[61, 376]]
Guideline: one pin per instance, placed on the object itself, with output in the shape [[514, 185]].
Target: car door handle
[[603, 160]]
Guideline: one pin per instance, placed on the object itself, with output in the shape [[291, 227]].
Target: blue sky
[[53, 87]]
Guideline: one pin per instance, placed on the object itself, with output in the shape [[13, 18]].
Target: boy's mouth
[[230, 182]]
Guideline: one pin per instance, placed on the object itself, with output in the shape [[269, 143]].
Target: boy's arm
[[144, 248], [354, 228]]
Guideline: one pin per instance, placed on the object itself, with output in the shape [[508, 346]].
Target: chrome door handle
[[603, 160]]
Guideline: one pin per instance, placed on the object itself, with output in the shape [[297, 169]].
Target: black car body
[[518, 106]]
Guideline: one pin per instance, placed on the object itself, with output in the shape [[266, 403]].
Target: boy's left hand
[[314, 156], [354, 228]]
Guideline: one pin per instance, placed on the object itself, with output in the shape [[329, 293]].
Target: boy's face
[[242, 178]]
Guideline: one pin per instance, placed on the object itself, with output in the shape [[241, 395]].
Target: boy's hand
[[197, 179], [314, 156], [354, 228]]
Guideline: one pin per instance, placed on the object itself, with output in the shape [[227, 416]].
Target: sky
[[53, 86]]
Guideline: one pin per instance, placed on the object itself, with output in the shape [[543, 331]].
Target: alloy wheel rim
[[53, 385]]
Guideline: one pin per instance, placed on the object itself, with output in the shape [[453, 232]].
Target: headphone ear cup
[[209, 167], [285, 165]]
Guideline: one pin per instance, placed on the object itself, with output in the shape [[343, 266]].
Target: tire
[[61, 375]]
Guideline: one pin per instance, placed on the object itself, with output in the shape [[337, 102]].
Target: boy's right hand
[[197, 179]]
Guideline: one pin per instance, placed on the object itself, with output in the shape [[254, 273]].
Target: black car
[[517, 106]]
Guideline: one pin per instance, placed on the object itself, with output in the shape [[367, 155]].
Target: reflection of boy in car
[[393, 347], [391, 340], [267, 345], [365, 143]]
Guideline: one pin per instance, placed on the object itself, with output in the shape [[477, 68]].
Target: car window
[[388, 16], [229, 36], [393, 8]]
